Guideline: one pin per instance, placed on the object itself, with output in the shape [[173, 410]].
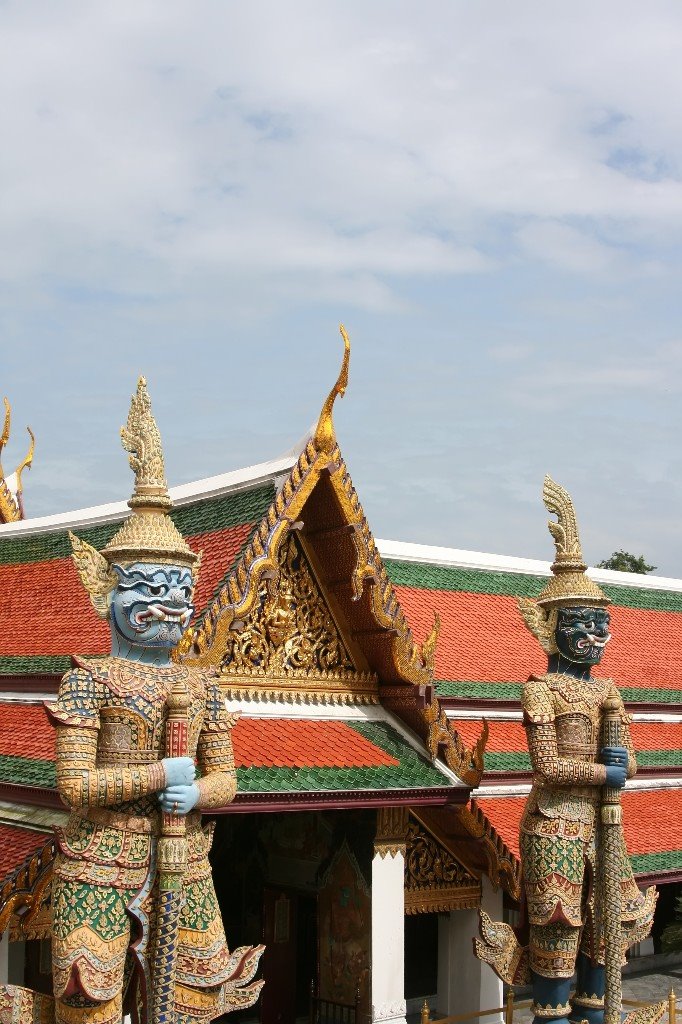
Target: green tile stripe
[[507, 762], [512, 691], [27, 771], [482, 691], [215, 514], [520, 762], [647, 863], [25, 664], [513, 584]]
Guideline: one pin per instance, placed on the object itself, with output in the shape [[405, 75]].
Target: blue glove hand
[[615, 776], [614, 755], [180, 771], [179, 799]]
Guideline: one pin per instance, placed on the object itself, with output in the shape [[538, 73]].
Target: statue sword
[[171, 867]]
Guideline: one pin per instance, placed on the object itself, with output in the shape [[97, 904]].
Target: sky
[[488, 195]]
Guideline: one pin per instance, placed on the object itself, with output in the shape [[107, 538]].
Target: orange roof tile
[[294, 743], [16, 844]]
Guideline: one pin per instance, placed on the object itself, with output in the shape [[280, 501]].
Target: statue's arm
[[218, 783], [539, 722], [79, 781], [626, 739], [81, 784]]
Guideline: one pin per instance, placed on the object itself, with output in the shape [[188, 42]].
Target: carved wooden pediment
[[290, 646], [435, 881]]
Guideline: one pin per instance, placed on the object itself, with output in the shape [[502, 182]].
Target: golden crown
[[569, 585], [149, 534]]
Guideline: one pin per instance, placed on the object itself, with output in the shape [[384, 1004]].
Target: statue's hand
[[180, 771], [615, 776], [616, 761], [179, 799], [614, 755]]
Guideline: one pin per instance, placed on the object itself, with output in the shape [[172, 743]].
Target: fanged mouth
[[162, 613], [593, 641]]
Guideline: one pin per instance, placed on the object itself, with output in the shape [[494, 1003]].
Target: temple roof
[[489, 659], [345, 755], [485, 653]]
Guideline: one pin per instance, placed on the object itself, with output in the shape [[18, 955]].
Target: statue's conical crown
[[569, 584], [149, 534]]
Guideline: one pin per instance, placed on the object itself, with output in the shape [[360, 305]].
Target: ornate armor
[[110, 718], [562, 717]]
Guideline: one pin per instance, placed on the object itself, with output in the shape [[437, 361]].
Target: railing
[[327, 1011], [511, 1005]]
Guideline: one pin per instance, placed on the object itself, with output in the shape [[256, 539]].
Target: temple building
[[369, 824]]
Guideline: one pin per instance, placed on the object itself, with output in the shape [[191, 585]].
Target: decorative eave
[[404, 667], [11, 503], [26, 892]]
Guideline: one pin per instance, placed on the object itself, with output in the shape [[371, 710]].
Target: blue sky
[[488, 195]]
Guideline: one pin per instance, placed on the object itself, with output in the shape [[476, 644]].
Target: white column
[[465, 985], [388, 935]]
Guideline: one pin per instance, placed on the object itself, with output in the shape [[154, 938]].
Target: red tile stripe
[[25, 731], [652, 820], [16, 844], [286, 743], [484, 639], [42, 593]]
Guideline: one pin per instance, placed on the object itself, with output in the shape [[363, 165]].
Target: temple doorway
[[290, 958]]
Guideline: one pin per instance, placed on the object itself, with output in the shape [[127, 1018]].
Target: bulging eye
[[155, 590], [187, 593], [590, 624]]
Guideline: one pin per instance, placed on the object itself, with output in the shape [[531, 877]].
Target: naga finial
[[565, 530], [141, 438], [13, 507], [325, 436], [430, 644], [569, 586]]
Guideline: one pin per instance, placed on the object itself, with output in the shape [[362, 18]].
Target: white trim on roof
[[184, 494], [468, 714], [523, 788], [428, 554]]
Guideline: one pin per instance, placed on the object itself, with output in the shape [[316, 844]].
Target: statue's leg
[[90, 941], [552, 952], [588, 1001]]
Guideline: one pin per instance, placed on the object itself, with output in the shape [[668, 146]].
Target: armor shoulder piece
[[218, 718], [537, 704], [79, 699]]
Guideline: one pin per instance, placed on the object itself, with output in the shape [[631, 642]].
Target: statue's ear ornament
[[95, 574], [541, 622], [196, 567]]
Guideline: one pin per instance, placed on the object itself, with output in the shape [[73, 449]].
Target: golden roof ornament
[[325, 436], [149, 534], [11, 505], [569, 585]]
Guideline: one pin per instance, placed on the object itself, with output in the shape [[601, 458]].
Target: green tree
[[623, 561]]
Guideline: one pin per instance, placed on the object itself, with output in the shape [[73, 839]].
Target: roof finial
[[11, 505], [325, 436]]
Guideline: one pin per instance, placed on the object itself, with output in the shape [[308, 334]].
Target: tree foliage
[[623, 561]]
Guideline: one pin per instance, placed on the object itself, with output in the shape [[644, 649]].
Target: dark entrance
[[290, 958]]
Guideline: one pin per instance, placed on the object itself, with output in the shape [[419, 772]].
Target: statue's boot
[[588, 1000], [550, 999]]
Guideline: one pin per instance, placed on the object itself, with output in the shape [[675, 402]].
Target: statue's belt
[[130, 823]]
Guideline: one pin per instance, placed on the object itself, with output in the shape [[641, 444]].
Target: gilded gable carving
[[289, 646]]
